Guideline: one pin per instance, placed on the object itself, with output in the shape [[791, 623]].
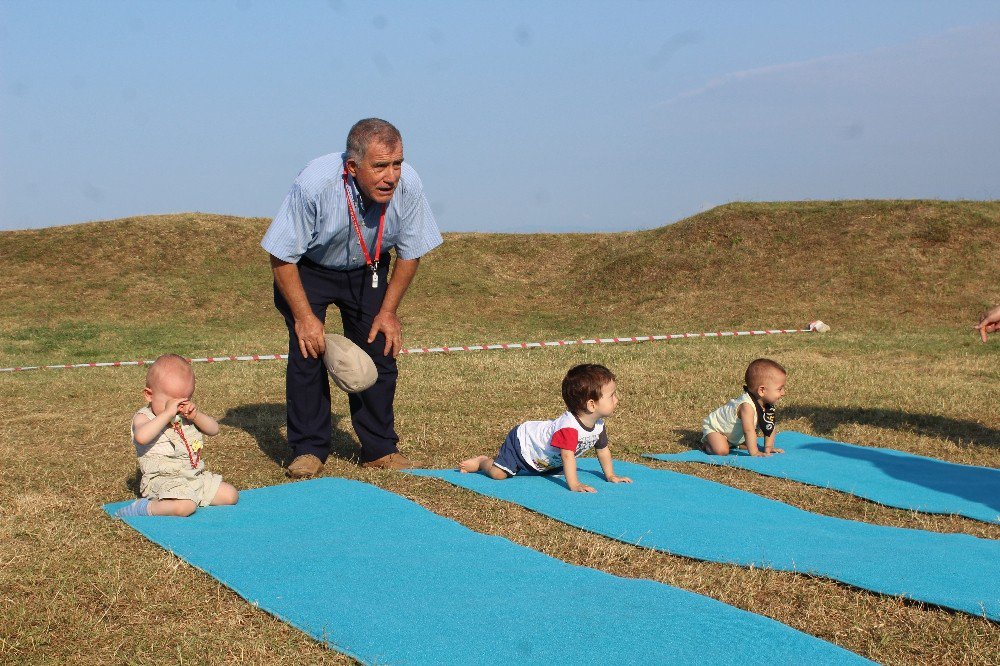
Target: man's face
[[377, 173]]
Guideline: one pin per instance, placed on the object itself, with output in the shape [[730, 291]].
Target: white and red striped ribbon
[[434, 350]]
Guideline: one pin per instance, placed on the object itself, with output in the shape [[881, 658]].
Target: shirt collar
[[580, 423]]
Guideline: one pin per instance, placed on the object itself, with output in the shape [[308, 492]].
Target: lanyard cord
[[373, 264], [194, 458]]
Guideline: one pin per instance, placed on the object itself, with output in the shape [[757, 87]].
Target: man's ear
[[352, 167]]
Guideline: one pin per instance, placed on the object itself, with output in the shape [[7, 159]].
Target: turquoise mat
[[685, 515], [886, 476], [386, 581]]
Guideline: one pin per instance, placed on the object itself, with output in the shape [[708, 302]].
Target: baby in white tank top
[[737, 422]]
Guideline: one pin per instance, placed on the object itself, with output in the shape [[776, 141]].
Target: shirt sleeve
[[565, 438], [602, 439], [293, 228], [418, 230]]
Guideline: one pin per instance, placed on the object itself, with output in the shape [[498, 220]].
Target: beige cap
[[350, 367]]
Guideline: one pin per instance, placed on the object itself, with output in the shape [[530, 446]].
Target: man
[[329, 245]]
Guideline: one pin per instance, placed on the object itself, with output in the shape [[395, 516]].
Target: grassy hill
[[200, 283], [900, 282]]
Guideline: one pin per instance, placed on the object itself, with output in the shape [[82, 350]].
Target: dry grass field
[[900, 282]]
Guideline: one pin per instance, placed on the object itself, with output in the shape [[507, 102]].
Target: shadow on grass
[[825, 419], [264, 422], [133, 482], [688, 438], [979, 485]]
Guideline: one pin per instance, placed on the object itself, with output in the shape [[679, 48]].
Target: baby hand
[[173, 406], [582, 488], [759, 454], [614, 478], [768, 452], [187, 409]]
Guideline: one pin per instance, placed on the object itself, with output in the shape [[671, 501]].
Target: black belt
[[309, 263]]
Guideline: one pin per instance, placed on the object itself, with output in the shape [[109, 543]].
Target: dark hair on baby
[[758, 371], [582, 383]]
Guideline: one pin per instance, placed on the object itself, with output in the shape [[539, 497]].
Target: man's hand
[[309, 330], [308, 327], [388, 324]]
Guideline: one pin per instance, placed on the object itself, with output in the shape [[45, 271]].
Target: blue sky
[[519, 116]]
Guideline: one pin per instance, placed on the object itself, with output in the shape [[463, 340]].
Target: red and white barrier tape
[[435, 350]]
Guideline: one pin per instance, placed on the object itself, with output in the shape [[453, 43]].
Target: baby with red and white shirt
[[539, 447]]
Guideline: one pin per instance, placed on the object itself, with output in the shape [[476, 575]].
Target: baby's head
[[589, 389], [765, 379], [169, 378]]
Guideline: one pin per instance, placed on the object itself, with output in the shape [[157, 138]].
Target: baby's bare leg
[[716, 444], [225, 495], [172, 507]]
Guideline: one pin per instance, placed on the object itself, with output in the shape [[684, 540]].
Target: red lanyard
[[357, 229], [195, 458]]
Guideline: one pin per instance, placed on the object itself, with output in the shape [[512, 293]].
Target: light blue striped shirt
[[314, 222]]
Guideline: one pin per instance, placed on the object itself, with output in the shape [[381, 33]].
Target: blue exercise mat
[[886, 476], [689, 516], [380, 578]]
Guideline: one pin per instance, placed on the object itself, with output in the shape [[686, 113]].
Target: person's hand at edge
[[989, 322]]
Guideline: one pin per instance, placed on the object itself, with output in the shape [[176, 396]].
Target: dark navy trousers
[[307, 385]]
